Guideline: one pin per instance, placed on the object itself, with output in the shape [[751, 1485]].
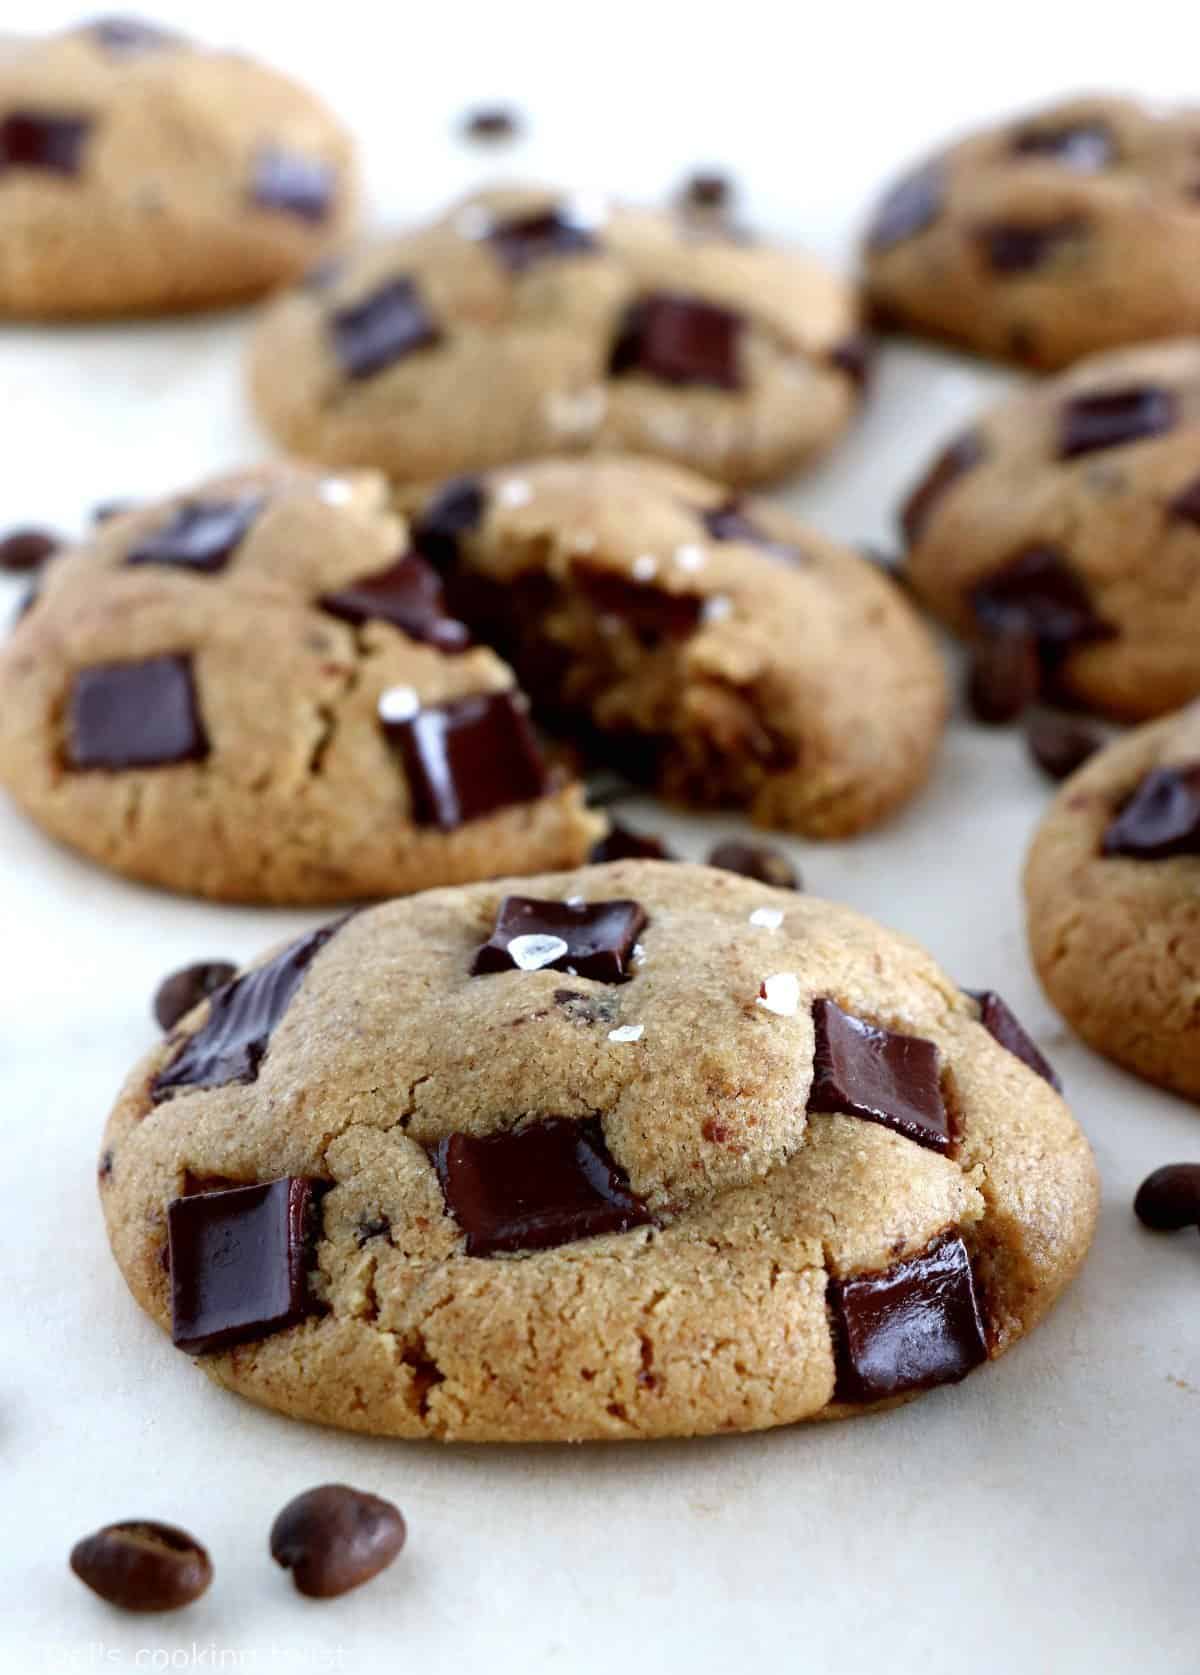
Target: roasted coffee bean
[[1170, 1198], [335, 1538], [139, 1565]]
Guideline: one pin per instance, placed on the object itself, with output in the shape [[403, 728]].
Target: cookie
[[525, 323], [254, 692], [645, 1149], [1070, 515], [141, 173], [1069, 230], [1111, 890]]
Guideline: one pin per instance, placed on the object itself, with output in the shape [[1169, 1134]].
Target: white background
[[1041, 1517]]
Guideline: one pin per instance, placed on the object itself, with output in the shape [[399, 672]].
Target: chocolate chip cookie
[[1111, 886], [139, 172], [255, 692], [645, 1149], [1044, 238], [1069, 516], [525, 323]]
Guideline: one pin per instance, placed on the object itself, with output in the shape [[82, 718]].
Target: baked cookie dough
[[1070, 514], [1049, 236], [638, 1150], [1112, 888], [254, 692], [526, 322], [142, 173]]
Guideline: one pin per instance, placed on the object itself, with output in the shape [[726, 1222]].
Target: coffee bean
[[1004, 677], [142, 1566], [755, 860], [23, 550], [707, 189], [335, 1538], [1170, 1198], [1058, 743], [183, 989]]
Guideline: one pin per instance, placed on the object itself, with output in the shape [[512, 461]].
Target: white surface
[[1041, 1517]]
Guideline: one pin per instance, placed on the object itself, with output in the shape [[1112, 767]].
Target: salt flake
[[768, 918], [781, 994], [531, 953], [398, 703], [627, 1032], [645, 568], [514, 492]]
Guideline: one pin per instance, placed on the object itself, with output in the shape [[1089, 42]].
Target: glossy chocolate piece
[[1084, 146], [336, 1538], [468, 758], [652, 612], [187, 987], [134, 715], [408, 595], [679, 339], [1011, 247], [878, 1075], [1004, 677], [456, 509], [1160, 819], [910, 1327], [47, 140], [596, 938], [239, 1260], [385, 327], [23, 551], [142, 1566], [201, 535], [525, 241], [546, 1184], [730, 522], [1060, 744], [911, 205], [755, 860], [293, 184], [954, 461], [1038, 593], [1169, 1198], [1002, 1025], [623, 844], [1114, 418]]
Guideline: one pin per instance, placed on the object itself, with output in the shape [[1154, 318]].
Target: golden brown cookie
[[640, 1150]]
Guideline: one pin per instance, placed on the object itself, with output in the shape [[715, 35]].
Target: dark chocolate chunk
[[652, 612], [1170, 1198], [124, 36], [335, 1538], [1160, 819], [546, 1184], [707, 190], [1038, 593], [383, 328], [588, 939], [469, 758], [1186, 504], [525, 241], [622, 844], [238, 1262], [1060, 744], [491, 123], [200, 535], [1113, 418], [878, 1075], [910, 1327], [134, 715], [183, 989], [140, 1565], [40, 140], [1085, 146], [1004, 676], [455, 510], [295, 184], [755, 860], [24, 550], [913, 204], [231, 1043], [730, 522], [1011, 247], [954, 461], [679, 339], [1002, 1025], [410, 596]]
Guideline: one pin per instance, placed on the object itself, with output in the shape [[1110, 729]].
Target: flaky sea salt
[[335, 491], [514, 491], [690, 557], [717, 608], [531, 953], [645, 568], [781, 994], [398, 703], [767, 918], [627, 1032]]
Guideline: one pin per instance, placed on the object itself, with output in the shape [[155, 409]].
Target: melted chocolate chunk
[[915, 1325], [879, 1076], [24, 550], [124, 36], [382, 329], [239, 1261], [588, 939], [546, 1184], [409, 595], [183, 989], [525, 241], [1011, 247], [954, 461], [1169, 1198], [1085, 146], [39, 140], [913, 204], [1186, 504], [1002, 1026], [1060, 744], [134, 715], [455, 510], [469, 758], [679, 339], [296, 185], [202, 535], [650, 611], [855, 356], [729, 522], [1004, 677], [1038, 593], [755, 860], [233, 1040], [1113, 418], [622, 844], [1160, 819]]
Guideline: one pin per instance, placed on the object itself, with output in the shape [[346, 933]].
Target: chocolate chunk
[[491, 123], [455, 510], [183, 989], [39, 140], [679, 339], [1011, 247], [468, 758], [1085, 146], [622, 844], [855, 356], [1004, 676], [238, 1262], [707, 190], [913, 204], [383, 328], [143, 1566], [730, 522], [1186, 504], [1002, 1026], [588, 939], [335, 1538], [1160, 819], [652, 612], [1060, 744], [1170, 1198], [134, 715], [526, 241], [201, 535], [124, 36], [233, 1040], [409, 595], [295, 184], [1112, 418], [954, 461], [878, 1075], [755, 860], [910, 1327], [24, 550], [1038, 593], [546, 1184]]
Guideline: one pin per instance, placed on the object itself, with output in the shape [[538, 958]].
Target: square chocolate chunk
[[408, 595], [293, 184], [468, 758], [203, 535], [1113, 418], [878, 1075], [134, 715], [588, 939], [382, 329], [679, 339], [43, 140]]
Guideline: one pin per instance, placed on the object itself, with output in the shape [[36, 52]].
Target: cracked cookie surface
[[528, 1204]]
